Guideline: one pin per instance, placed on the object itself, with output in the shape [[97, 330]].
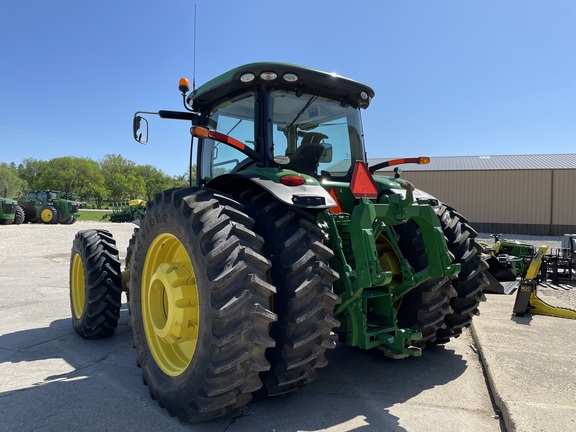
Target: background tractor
[[236, 283], [49, 207], [10, 211]]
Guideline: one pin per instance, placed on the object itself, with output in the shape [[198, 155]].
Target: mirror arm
[[176, 115]]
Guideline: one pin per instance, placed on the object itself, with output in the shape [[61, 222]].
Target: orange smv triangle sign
[[363, 185]]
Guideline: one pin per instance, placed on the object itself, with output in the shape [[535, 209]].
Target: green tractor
[[238, 284], [10, 212], [49, 207]]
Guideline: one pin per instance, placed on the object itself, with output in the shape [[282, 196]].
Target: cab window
[[318, 135], [234, 118]]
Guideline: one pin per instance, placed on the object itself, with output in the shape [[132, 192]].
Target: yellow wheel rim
[[77, 286], [389, 261], [170, 304], [46, 215]]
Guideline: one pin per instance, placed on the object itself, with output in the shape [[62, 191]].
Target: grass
[[93, 215]]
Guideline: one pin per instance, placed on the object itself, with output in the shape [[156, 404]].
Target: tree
[[30, 170], [96, 193], [90, 181], [10, 183], [71, 174], [179, 181], [113, 178], [136, 185], [183, 180], [120, 177], [191, 172], [156, 181]]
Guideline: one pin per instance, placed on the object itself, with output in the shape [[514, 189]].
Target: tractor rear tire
[[304, 301], [95, 284], [18, 215], [470, 283], [200, 304], [425, 307]]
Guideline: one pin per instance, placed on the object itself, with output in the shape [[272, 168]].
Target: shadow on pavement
[[53, 380]]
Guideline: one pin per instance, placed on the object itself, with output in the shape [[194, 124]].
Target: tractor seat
[[306, 158]]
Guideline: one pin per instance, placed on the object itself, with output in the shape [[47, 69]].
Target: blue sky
[[452, 77]]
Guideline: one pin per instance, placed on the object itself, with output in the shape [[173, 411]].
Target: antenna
[[193, 89], [194, 54]]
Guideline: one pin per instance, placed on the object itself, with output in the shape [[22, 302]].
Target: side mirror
[[326, 155], [140, 129]]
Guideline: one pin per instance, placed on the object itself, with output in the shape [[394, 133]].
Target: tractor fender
[[421, 195], [390, 185], [309, 196]]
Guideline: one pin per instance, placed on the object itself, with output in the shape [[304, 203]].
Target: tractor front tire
[[470, 283], [304, 301], [200, 304], [49, 215], [95, 284]]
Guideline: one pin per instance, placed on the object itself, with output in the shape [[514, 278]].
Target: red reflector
[[338, 208], [292, 180], [363, 185], [407, 185]]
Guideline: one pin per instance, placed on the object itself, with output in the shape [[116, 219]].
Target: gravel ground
[[567, 296]]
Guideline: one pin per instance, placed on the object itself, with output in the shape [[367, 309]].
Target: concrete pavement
[[52, 380], [530, 363]]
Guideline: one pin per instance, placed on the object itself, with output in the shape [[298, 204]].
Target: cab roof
[[282, 76]]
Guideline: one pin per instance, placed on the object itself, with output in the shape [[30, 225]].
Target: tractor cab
[[294, 118], [284, 116]]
